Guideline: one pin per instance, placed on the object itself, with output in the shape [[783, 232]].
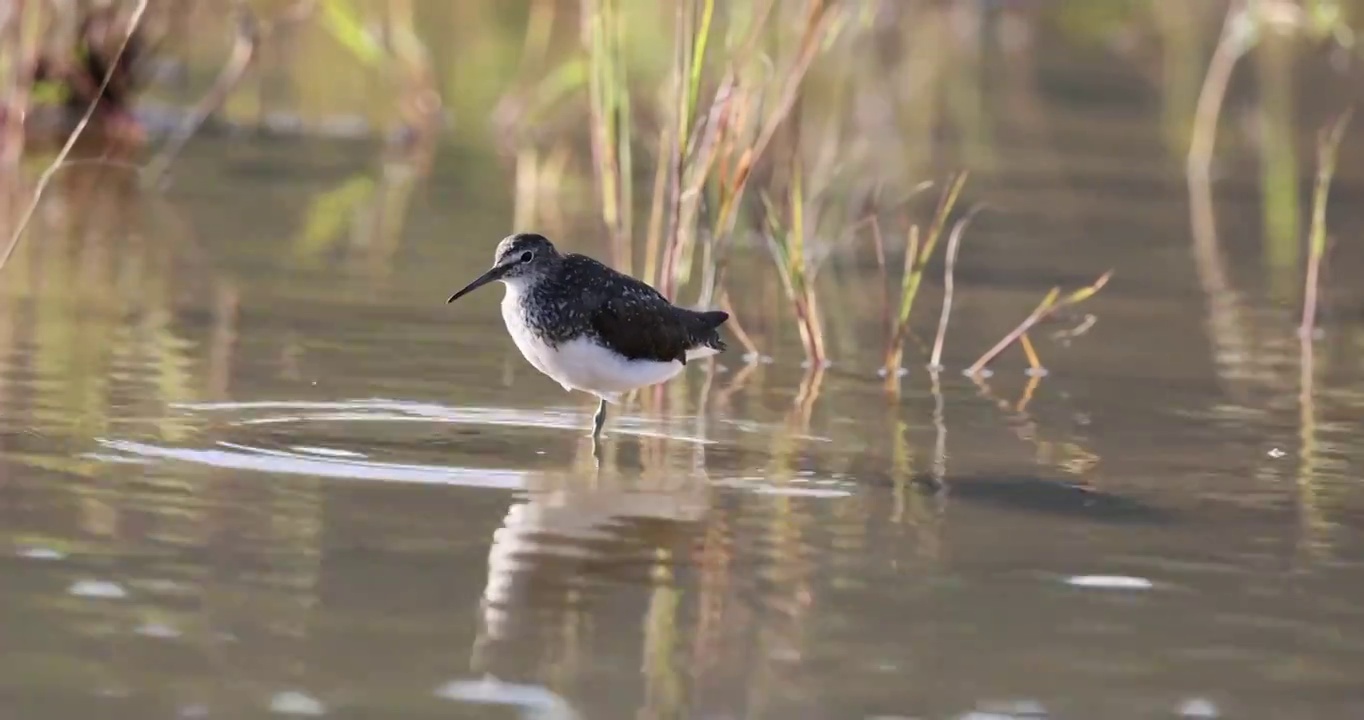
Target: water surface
[[242, 475]]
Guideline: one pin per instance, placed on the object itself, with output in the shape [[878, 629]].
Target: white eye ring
[[526, 256]]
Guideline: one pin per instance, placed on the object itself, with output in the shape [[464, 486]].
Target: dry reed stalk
[[1048, 306], [412, 144], [1243, 25], [1230, 47], [1328, 145], [623, 137], [724, 152], [691, 34], [244, 46], [822, 20], [653, 236], [705, 154], [953, 244], [879, 245], [899, 325], [45, 179], [787, 245], [1034, 361], [879, 248], [534, 86], [609, 107], [916, 260], [736, 328]]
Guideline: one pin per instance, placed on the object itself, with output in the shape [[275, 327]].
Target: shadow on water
[[251, 465], [1026, 493]]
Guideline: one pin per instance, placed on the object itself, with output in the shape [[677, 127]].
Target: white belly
[[583, 364]]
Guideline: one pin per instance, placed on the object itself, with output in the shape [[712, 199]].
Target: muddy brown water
[[240, 477]]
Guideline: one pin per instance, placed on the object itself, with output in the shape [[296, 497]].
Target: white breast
[[582, 363], [535, 351]]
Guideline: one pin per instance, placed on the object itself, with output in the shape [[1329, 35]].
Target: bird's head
[[519, 259]]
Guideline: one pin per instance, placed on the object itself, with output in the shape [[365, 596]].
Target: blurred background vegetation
[[680, 131], [786, 147]]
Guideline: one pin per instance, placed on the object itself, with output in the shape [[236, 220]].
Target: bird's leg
[[599, 419]]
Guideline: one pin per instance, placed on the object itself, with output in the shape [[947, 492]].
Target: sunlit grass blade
[[342, 20], [698, 56]]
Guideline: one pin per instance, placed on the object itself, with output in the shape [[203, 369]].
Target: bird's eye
[[526, 256]]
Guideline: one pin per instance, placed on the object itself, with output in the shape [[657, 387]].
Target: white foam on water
[[1110, 582], [1198, 708], [40, 553], [99, 589], [157, 630], [537, 701], [293, 702]]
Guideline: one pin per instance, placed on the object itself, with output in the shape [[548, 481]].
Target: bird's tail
[[714, 318], [709, 335]]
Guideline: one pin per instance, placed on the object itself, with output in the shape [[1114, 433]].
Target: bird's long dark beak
[[493, 274]]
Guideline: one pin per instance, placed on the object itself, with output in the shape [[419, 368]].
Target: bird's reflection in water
[[585, 543]]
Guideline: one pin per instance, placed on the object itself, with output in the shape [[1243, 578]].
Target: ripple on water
[[810, 487], [244, 457], [386, 410], [332, 458], [343, 462], [319, 461]]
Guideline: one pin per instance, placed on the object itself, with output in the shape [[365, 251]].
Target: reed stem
[[1328, 145]]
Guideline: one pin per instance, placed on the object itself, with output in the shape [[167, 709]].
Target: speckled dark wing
[[637, 321]]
